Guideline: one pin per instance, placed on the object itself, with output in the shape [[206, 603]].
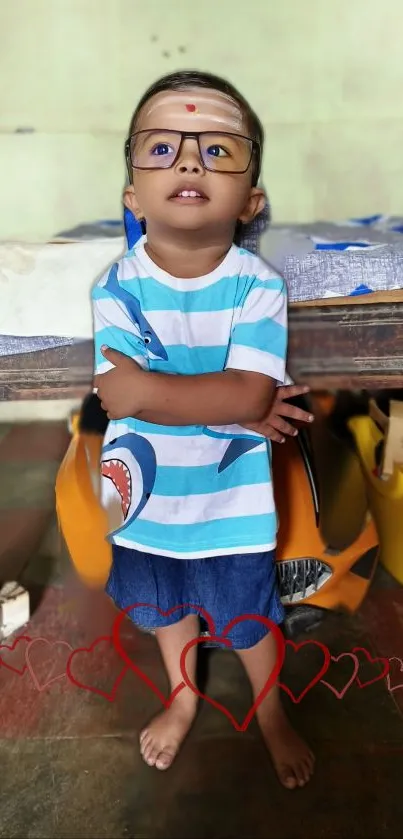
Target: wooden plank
[[359, 346], [345, 346], [57, 373]]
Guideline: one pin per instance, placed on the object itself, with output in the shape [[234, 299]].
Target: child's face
[[222, 197]]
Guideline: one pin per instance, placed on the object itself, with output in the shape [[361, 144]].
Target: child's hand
[[274, 426], [120, 388]]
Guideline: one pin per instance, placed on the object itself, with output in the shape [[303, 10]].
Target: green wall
[[326, 76]]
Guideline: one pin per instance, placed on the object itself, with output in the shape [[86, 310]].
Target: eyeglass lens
[[219, 152]]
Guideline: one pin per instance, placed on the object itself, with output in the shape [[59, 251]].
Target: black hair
[[185, 79]]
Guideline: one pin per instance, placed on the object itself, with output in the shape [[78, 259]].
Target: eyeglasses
[[218, 151]]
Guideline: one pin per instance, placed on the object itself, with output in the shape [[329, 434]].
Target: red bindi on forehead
[[191, 108]]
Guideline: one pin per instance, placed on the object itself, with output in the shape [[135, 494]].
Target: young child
[[190, 343]]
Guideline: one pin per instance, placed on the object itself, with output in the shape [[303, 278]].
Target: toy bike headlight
[[300, 578]]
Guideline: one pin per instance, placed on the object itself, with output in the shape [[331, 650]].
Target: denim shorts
[[223, 588]]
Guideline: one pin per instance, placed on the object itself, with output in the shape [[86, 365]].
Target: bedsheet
[[45, 288], [337, 259], [19, 344]]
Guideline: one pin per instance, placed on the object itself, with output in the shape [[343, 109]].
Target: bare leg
[[161, 739], [293, 760]]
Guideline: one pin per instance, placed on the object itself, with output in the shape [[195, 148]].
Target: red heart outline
[[167, 702], [32, 673], [112, 694], [340, 693], [388, 682], [316, 678], [384, 661], [11, 647], [271, 680]]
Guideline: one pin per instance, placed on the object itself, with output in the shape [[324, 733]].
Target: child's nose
[[189, 158]]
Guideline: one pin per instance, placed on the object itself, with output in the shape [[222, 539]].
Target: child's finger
[[284, 428], [290, 391], [275, 436], [287, 410]]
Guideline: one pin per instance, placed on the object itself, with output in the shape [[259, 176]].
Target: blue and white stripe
[[236, 317]]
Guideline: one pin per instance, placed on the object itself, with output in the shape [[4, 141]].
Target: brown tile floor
[[69, 759]]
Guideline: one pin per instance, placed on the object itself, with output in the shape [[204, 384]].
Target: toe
[[302, 774], [152, 755], [288, 778], [144, 743], [165, 759], [148, 752], [309, 763], [144, 734]]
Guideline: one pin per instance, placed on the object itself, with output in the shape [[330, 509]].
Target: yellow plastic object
[[385, 496], [82, 520], [74, 423]]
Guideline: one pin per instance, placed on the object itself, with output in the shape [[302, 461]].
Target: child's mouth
[[189, 196]]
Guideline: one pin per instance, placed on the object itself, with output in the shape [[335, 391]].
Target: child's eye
[[161, 149], [216, 151]]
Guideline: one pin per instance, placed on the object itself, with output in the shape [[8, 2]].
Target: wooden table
[[340, 343]]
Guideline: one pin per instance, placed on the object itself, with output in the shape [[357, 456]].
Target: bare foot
[[161, 740], [292, 758]]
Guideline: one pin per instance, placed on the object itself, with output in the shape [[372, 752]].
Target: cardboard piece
[[393, 450], [381, 419]]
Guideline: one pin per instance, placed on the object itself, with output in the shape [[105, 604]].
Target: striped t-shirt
[[190, 491]]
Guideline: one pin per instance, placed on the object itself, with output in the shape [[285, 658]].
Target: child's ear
[[131, 203], [255, 204]]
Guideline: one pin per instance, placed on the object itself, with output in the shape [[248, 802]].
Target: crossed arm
[[249, 399], [231, 396], [238, 395]]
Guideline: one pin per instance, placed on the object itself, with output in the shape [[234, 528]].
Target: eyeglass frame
[[191, 135]]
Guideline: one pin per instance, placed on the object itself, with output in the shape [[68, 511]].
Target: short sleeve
[[114, 328], [259, 335]]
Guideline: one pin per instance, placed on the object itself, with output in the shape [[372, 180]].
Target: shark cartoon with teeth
[[131, 455], [123, 459]]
